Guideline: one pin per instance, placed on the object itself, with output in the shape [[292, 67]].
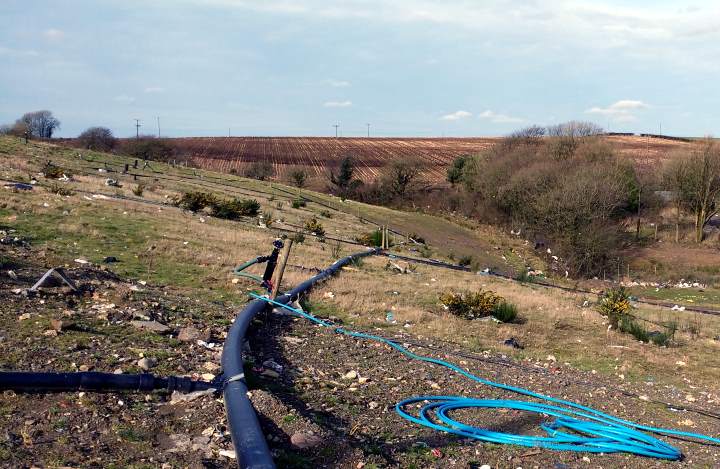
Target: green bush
[[326, 214], [56, 188], [138, 190], [373, 238], [235, 208], [299, 238], [505, 312], [465, 261], [196, 201], [298, 203]]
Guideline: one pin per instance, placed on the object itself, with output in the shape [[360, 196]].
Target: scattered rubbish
[[112, 183], [678, 308], [329, 295], [273, 365], [352, 374], [110, 260], [437, 453], [82, 261], [12, 274], [390, 317], [228, 453], [511, 342], [19, 186], [57, 273]]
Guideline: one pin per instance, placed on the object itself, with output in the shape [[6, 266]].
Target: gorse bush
[[615, 304], [315, 227], [195, 201], [474, 305], [235, 208], [228, 209], [298, 203], [373, 239], [139, 190], [52, 171]]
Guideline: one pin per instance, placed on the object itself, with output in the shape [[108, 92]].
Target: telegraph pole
[[158, 121], [137, 128], [368, 126], [336, 129]]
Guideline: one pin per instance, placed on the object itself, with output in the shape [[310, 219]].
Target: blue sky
[[407, 67]]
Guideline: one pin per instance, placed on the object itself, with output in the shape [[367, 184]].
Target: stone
[[152, 326], [304, 440], [188, 334], [146, 363], [352, 374], [230, 454]]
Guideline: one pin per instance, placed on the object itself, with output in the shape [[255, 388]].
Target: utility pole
[[336, 129], [368, 126], [137, 128], [228, 132], [158, 121]]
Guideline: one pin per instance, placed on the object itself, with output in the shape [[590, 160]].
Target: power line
[[336, 129], [368, 126], [158, 122], [137, 128]]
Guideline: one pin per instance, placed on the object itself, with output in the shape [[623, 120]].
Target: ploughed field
[[318, 154]]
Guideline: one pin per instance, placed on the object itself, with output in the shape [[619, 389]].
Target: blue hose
[[585, 429]]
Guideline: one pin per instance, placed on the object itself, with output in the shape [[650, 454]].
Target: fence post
[[281, 270]]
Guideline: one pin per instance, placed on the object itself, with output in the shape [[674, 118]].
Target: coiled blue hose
[[586, 429]]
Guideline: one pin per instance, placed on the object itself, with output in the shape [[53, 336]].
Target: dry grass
[[554, 323]]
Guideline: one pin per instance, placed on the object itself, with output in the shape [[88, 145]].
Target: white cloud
[[624, 110], [154, 89], [122, 98], [338, 104], [17, 53], [338, 83], [54, 34], [499, 118], [456, 116]]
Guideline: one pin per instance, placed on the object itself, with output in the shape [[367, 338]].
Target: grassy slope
[[150, 242]]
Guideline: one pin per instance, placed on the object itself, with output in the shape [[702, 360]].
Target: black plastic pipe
[[95, 381], [248, 439]]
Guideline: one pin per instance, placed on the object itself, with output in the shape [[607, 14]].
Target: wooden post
[[281, 268], [656, 228], [382, 239]]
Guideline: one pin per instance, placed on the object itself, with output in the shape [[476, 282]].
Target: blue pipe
[[248, 439], [586, 429]]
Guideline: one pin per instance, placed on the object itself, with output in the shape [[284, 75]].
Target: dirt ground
[[302, 385]]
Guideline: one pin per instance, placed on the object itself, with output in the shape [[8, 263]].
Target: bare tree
[[696, 182], [400, 176], [40, 124], [574, 129], [97, 138]]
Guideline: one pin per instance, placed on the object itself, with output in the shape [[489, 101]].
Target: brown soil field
[[317, 154]]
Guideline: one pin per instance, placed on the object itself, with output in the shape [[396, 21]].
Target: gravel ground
[[324, 400]]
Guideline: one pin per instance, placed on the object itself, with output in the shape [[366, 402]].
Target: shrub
[[97, 138], [138, 190], [373, 238], [298, 203], [326, 214], [465, 261], [260, 170], [315, 227], [51, 171], [505, 312], [148, 148], [56, 188], [299, 238], [235, 208], [471, 305], [298, 177], [615, 304], [196, 201], [417, 238]]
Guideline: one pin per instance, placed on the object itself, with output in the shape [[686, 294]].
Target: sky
[[406, 67]]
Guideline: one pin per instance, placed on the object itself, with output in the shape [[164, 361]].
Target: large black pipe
[[27, 381], [248, 439]]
